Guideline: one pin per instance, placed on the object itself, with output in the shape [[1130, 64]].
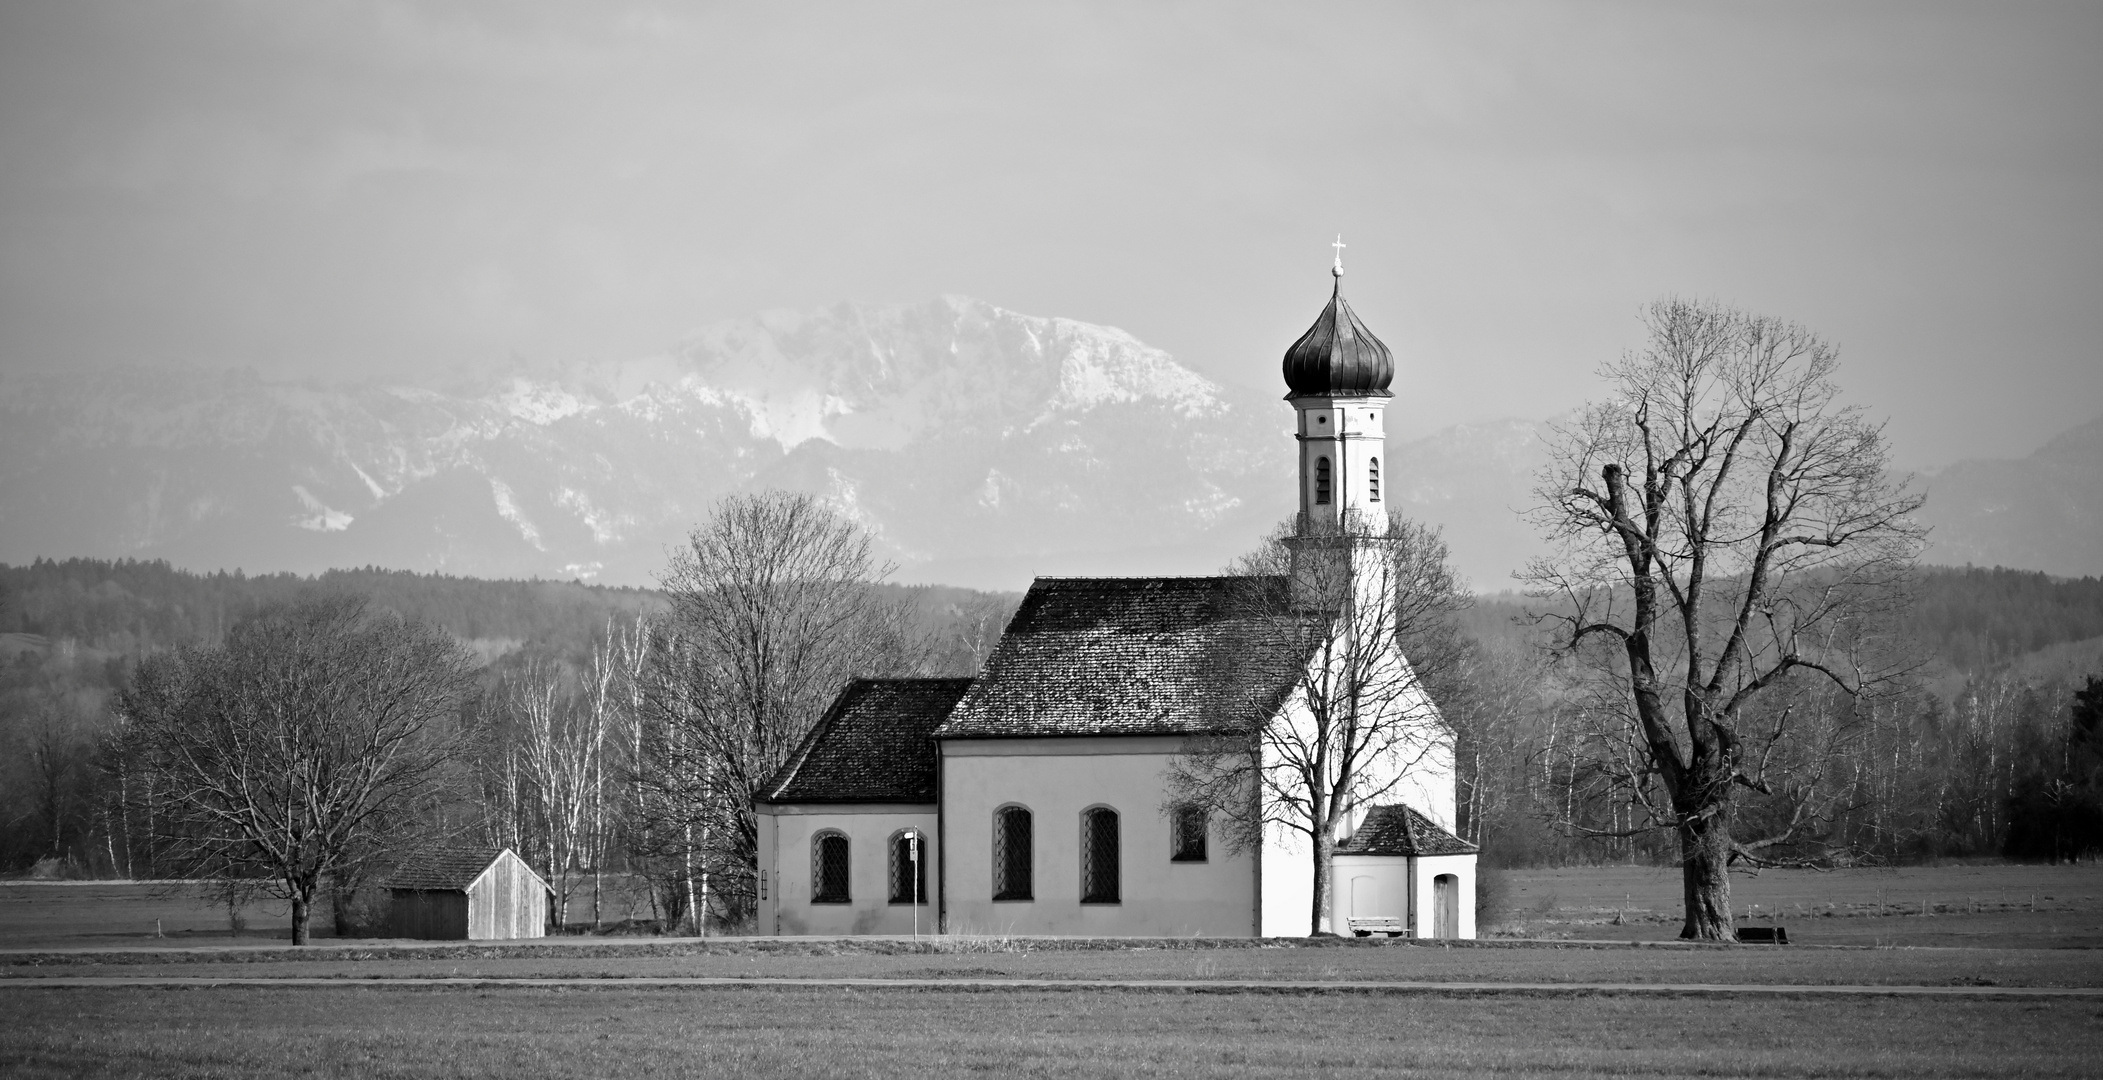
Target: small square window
[[1188, 827]]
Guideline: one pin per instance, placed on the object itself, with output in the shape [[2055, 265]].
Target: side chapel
[[1034, 798]]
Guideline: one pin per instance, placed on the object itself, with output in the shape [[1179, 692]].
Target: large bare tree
[[774, 605], [306, 740], [1725, 527], [1342, 639]]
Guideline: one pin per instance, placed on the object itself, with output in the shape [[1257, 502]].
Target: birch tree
[[560, 742], [1724, 527]]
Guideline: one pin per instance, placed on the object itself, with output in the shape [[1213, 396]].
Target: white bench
[[1378, 924]]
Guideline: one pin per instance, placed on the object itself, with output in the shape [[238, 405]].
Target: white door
[[1365, 899]]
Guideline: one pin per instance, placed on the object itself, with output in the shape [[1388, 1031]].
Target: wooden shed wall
[[428, 915], [507, 902]]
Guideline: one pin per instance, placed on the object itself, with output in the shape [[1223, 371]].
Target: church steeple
[[1337, 376]]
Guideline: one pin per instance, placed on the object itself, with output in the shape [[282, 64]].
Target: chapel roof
[[871, 746], [446, 869], [1338, 356], [1138, 656], [1401, 830]]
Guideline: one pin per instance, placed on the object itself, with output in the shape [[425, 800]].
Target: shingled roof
[[871, 746], [1138, 656], [450, 869], [1400, 830]]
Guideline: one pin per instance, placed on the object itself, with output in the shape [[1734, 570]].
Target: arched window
[[1187, 833], [908, 867], [1321, 481], [829, 868], [1374, 477], [1012, 835], [1099, 856]]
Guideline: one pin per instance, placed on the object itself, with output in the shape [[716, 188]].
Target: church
[[1042, 796]]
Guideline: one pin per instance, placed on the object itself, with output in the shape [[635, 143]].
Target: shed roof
[[1139, 656], [872, 745], [1401, 830], [450, 869]]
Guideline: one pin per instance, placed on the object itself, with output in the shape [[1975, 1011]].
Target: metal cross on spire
[[1339, 246]]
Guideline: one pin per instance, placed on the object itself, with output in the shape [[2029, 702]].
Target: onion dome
[[1338, 356]]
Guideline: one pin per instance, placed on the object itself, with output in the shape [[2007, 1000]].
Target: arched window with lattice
[[829, 867], [1373, 479], [1100, 856], [1013, 858], [1321, 481]]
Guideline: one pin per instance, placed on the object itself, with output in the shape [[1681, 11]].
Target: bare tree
[[1724, 525], [299, 745], [1341, 639], [612, 694], [772, 610], [559, 732]]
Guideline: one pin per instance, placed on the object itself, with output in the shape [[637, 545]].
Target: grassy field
[[809, 1034], [1992, 904], [376, 1030], [1292, 962]]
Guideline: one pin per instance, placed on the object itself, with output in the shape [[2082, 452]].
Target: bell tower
[[1337, 377]]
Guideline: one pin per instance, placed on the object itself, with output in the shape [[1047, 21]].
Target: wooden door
[[1445, 906]]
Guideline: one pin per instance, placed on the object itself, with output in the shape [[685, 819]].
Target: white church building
[[1036, 797]]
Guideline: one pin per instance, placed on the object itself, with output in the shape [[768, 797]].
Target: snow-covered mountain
[[980, 444]]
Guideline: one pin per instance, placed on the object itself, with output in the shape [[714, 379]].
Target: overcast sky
[[350, 188]]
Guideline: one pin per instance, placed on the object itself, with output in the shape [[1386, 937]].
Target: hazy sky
[[345, 188]]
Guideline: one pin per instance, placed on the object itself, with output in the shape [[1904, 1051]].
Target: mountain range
[[980, 445]]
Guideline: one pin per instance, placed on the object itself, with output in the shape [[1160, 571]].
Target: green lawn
[[814, 1034]]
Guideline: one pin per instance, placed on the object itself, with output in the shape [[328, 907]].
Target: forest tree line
[[1974, 753]]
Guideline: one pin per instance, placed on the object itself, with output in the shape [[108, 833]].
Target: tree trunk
[[1324, 884], [299, 918], [1705, 849]]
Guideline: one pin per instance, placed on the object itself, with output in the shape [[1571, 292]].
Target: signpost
[[912, 845]]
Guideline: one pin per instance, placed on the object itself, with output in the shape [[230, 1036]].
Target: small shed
[[1402, 872], [467, 894]]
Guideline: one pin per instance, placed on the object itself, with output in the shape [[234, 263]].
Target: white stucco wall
[[1428, 869], [1288, 883], [1058, 778], [785, 834], [1371, 886]]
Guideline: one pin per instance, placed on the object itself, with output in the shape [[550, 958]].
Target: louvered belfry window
[[1189, 841], [1012, 836], [829, 868], [1321, 481], [1373, 476], [1099, 856], [908, 875]]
